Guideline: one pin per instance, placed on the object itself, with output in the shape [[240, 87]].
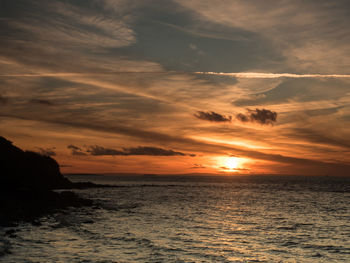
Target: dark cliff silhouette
[[26, 183], [24, 169]]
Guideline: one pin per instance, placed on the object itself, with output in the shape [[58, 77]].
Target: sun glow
[[231, 164]]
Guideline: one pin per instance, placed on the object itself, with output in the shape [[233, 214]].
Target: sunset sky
[[178, 86]]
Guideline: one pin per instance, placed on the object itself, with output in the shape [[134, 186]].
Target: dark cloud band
[[212, 116], [97, 150], [262, 116]]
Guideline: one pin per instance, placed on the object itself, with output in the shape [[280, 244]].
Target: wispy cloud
[[257, 75], [77, 26], [312, 36], [245, 75], [93, 74], [50, 33], [138, 76]]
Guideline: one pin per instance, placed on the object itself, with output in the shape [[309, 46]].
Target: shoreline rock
[[27, 181]]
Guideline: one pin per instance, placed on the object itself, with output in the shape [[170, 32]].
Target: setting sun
[[231, 163]]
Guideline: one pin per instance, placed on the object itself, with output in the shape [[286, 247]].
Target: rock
[[27, 181]]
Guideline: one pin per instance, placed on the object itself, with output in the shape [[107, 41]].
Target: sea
[[182, 218]]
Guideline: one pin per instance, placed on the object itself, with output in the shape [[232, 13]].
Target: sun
[[231, 163]]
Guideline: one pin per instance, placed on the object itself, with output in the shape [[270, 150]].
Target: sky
[[178, 86]]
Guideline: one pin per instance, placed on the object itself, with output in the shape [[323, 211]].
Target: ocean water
[[194, 219]]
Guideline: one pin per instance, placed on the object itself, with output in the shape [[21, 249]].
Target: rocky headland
[[28, 181]]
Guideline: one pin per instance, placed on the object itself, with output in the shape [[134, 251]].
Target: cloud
[[257, 75], [243, 118], [325, 137], [97, 150], [42, 102], [76, 150], [159, 137], [153, 151], [73, 147], [310, 166], [198, 166], [3, 100], [99, 91], [47, 151], [262, 116], [43, 38], [295, 28], [212, 116], [77, 26]]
